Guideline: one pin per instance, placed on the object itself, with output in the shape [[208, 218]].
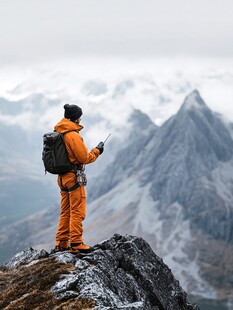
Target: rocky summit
[[120, 273]]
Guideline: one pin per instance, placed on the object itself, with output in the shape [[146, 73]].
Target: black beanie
[[72, 112]]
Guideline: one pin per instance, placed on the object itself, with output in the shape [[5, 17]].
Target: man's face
[[78, 121]]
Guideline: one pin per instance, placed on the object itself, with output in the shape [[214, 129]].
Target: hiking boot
[[58, 248], [79, 247]]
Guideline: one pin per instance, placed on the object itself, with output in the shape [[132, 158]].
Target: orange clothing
[[77, 150], [73, 204], [73, 211]]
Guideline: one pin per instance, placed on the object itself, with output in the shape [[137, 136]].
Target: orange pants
[[73, 211]]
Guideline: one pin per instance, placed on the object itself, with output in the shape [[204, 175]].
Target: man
[[73, 197]]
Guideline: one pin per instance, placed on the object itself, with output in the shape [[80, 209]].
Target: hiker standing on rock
[[73, 197]]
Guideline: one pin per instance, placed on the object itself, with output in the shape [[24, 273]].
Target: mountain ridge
[[180, 167]]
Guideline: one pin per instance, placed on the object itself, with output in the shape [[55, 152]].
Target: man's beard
[[77, 121]]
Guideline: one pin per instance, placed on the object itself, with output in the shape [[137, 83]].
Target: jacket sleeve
[[78, 151]]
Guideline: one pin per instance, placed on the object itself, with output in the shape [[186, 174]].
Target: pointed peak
[[194, 101], [195, 92], [138, 118]]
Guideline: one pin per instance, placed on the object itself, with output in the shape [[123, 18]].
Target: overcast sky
[[33, 31], [54, 46]]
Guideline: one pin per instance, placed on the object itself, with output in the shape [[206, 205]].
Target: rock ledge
[[121, 273]]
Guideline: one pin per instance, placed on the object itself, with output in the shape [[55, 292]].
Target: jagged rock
[[121, 273], [65, 258], [26, 256]]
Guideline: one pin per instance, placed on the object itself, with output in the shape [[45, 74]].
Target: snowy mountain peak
[[194, 101]]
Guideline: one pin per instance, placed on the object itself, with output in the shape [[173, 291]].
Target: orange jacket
[[76, 148]]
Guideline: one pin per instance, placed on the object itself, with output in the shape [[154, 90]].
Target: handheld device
[[106, 138], [101, 144]]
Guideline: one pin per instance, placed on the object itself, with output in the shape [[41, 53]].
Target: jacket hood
[[66, 125]]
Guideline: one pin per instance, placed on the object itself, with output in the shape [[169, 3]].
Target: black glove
[[100, 147]]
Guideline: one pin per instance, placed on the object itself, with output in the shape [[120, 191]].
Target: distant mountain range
[[24, 189], [172, 185]]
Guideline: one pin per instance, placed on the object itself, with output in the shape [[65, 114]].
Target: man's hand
[[100, 147]]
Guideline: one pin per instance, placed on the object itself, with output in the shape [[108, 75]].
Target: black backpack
[[54, 155]]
